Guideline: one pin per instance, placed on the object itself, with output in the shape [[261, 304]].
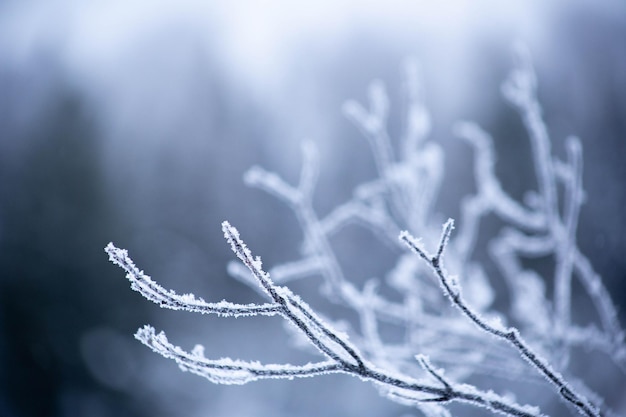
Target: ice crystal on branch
[[444, 297]]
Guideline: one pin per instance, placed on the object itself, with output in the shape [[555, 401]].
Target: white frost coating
[[225, 370], [449, 319], [328, 340], [310, 169], [143, 284], [341, 355], [272, 183], [355, 111], [255, 265]]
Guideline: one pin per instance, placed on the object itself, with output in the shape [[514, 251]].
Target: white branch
[[511, 334], [342, 356], [143, 284], [226, 370], [402, 197]]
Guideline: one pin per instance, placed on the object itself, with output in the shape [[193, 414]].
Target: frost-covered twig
[[227, 371], [143, 284], [341, 355], [511, 334]]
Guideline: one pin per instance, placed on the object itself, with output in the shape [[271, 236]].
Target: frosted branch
[[489, 188], [511, 334], [294, 309], [372, 124], [310, 169], [227, 371], [438, 374], [542, 225], [143, 284], [418, 118], [602, 300], [341, 355], [567, 237], [374, 218]]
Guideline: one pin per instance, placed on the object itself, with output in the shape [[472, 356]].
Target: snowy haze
[[134, 121]]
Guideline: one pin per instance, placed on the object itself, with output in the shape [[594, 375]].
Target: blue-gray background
[[134, 121]]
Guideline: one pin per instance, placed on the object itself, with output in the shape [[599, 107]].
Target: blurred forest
[[133, 122]]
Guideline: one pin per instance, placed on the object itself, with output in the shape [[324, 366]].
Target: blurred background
[[133, 122]]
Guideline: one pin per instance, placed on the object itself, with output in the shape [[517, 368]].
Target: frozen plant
[[448, 318]]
